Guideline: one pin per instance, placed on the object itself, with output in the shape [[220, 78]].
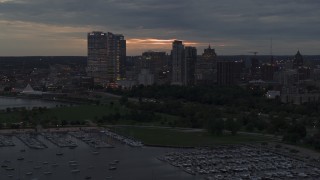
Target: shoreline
[[58, 100], [59, 129]]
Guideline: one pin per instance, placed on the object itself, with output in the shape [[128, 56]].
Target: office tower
[[190, 58], [205, 73], [255, 70], [297, 61], [267, 71], [226, 73], [156, 62], [106, 57], [177, 55], [121, 54], [97, 57]]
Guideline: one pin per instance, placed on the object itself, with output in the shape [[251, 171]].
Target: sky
[[232, 27]]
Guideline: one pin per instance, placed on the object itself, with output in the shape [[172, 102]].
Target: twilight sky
[[59, 27]]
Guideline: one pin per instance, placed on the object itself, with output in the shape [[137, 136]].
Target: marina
[[60, 139], [245, 162], [128, 141], [82, 162], [75, 155], [93, 138], [6, 141], [31, 140]]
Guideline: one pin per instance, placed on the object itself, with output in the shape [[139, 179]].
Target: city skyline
[[43, 27]]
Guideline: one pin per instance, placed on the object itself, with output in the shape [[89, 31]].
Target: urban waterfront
[[84, 162], [13, 102]]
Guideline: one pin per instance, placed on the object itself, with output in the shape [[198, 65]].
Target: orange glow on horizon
[[158, 41], [135, 45]]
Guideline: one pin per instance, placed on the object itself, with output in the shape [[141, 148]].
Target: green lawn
[[81, 113], [174, 137]]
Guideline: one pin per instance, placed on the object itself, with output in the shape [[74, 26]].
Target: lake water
[[11, 102], [134, 163]]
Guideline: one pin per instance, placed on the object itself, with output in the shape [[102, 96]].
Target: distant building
[[303, 73], [273, 94], [300, 98], [297, 61], [226, 73], [106, 57], [190, 59], [146, 77], [267, 71], [206, 68], [177, 55], [255, 70], [156, 63]]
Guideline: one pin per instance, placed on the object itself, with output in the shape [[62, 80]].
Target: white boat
[[95, 152], [47, 172], [112, 168], [75, 171], [37, 167]]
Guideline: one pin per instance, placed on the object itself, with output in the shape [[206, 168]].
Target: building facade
[[206, 68], [106, 57], [190, 58], [177, 55], [226, 73]]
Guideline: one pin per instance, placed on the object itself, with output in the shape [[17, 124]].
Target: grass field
[[80, 113], [176, 137]]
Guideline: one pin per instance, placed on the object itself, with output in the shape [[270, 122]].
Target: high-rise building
[[226, 73], [106, 57], [177, 55], [255, 70], [206, 68], [156, 63], [121, 55], [297, 61], [267, 71], [190, 58]]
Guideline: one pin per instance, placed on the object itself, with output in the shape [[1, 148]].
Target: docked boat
[[20, 158], [10, 169], [59, 153], [37, 167], [95, 152], [29, 173], [75, 171], [112, 168]]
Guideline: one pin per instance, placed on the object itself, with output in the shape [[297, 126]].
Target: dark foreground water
[[12, 102], [134, 163]]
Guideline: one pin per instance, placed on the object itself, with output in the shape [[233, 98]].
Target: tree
[[295, 132], [215, 126], [232, 125]]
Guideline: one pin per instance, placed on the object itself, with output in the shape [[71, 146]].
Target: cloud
[[238, 25]]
